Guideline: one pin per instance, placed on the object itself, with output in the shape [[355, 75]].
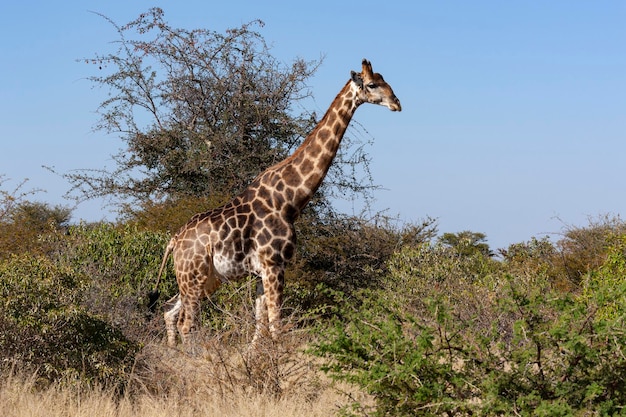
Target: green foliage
[[40, 215], [563, 357], [121, 263], [123, 254], [603, 283], [465, 281], [44, 327], [81, 310], [535, 261], [345, 254], [583, 249], [453, 335], [567, 262], [467, 242], [408, 366]]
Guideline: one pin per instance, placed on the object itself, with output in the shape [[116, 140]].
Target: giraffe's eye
[[371, 85]]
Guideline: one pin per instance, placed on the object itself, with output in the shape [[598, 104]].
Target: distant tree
[[9, 199], [24, 225], [22, 222], [584, 248], [40, 216], [201, 113], [467, 242]]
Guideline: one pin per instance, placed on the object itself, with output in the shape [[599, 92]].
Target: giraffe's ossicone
[[254, 232]]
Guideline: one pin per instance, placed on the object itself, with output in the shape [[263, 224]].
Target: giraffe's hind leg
[[172, 312], [187, 319], [204, 282]]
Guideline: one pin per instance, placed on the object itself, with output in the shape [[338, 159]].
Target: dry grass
[[220, 375], [220, 378], [20, 398]]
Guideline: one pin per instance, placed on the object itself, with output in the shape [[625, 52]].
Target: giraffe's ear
[[356, 78], [367, 67]]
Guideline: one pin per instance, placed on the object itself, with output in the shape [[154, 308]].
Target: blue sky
[[513, 121]]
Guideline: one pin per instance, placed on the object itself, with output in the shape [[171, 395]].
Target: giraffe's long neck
[[304, 171]]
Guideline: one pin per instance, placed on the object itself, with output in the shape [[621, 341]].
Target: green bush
[[345, 254], [44, 328], [81, 310], [120, 265], [563, 358], [467, 282], [25, 226], [584, 249], [603, 283], [452, 335], [408, 366]]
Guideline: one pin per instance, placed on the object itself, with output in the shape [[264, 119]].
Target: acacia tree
[[467, 242], [10, 199], [201, 113]]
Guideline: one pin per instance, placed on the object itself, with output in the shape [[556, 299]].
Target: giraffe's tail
[[153, 296]]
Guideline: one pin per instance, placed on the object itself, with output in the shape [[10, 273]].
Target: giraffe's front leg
[[260, 312], [273, 286]]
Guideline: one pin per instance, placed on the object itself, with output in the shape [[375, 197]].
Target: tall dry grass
[[219, 377], [19, 397]]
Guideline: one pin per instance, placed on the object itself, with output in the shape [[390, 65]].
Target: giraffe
[[254, 232]]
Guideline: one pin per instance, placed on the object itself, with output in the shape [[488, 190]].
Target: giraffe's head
[[372, 88]]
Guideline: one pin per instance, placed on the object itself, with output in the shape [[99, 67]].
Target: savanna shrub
[[536, 260], [43, 326], [345, 254], [609, 276], [408, 366], [407, 344], [119, 265], [466, 282], [422, 345], [564, 358], [81, 311], [583, 249], [26, 225]]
